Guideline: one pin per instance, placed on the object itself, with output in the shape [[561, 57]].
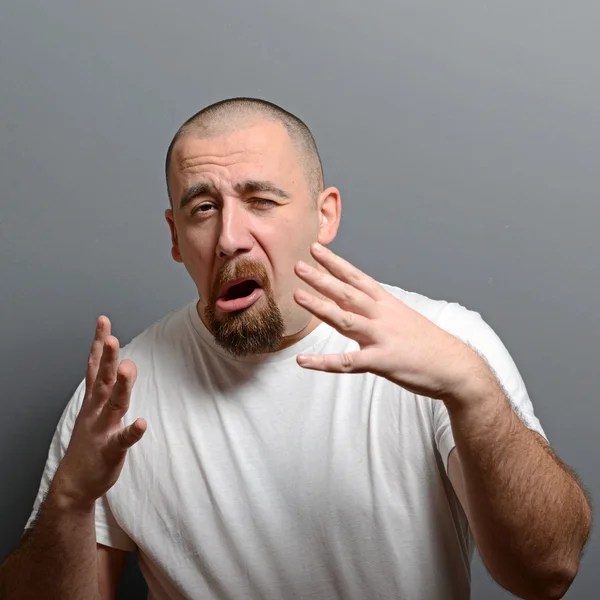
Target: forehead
[[258, 150]]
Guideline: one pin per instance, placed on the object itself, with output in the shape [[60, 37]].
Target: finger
[[107, 371], [118, 402], [349, 362], [350, 324], [346, 272], [343, 294], [102, 331], [128, 436]]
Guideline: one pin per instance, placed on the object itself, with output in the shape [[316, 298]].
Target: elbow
[[561, 573], [558, 584], [548, 582], [552, 584]]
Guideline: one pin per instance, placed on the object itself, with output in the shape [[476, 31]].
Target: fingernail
[[318, 247], [303, 268], [303, 295]]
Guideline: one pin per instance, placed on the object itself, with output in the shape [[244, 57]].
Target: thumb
[[128, 436]]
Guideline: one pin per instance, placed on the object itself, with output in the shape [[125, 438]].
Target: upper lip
[[227, 286]]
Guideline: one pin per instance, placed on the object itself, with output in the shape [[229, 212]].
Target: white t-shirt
[[258, 479]]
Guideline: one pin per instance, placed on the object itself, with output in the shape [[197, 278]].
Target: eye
[[263, 202], [203, 208]]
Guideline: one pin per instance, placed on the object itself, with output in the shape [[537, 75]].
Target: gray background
[[465, 137]]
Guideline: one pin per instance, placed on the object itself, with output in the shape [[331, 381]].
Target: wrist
[[475, 387], [65, 496]]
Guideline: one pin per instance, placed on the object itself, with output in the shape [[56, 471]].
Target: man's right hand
[[99, 442]]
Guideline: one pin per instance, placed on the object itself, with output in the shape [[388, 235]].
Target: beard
[[257, 329]]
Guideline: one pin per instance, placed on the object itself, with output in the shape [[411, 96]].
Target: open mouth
[[240, 290], [239, 294]]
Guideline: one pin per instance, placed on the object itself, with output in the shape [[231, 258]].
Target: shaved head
[[231, 115]]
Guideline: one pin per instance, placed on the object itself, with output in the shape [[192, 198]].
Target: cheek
[[199, 239], [285, 280], [285, 242], [198, 253], [292, 235]]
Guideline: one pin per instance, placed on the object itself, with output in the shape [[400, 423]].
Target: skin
[[528, 514], [59, 558], [533, 548], [259, 226]]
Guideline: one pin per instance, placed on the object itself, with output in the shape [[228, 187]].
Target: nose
[[235, 237]]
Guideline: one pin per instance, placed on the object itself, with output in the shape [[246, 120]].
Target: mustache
[[240, 269]]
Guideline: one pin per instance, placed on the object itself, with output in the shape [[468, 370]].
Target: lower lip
[[239, 303]]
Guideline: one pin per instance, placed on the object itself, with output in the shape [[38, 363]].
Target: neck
[[290, 340]]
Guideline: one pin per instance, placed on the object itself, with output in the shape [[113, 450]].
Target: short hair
[[210, 121]]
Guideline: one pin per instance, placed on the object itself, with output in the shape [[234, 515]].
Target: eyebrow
[[252, 186], [199, 189]]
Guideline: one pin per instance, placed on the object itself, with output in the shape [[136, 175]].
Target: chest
[[277, 457]]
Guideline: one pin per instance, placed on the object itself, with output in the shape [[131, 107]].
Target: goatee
[[257, 329]]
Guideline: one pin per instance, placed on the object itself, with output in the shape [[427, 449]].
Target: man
[[310, 432]]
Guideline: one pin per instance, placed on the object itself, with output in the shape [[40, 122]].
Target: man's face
[[242, 216]]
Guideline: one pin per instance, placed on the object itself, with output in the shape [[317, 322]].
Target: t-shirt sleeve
[[469, 327], [108, 531]]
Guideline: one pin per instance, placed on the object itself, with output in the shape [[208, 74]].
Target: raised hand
[[99, 442], [396, 342]]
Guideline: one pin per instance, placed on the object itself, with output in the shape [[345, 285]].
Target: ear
[[174, 240], [329, 205]]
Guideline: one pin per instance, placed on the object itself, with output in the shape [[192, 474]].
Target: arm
[[529, 516], [110, 569], [58, 558], [109, 566]]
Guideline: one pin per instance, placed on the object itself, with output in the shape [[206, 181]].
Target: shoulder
[[169, 331], [470, 327], [428, 307], [462, 322]]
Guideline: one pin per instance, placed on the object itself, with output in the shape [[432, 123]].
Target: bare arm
[[58, 557], [110, 569], [529, 516]]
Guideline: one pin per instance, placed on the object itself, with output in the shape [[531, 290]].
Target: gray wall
[[465, 137]]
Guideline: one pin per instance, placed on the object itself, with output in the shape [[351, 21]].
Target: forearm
[[57, 559], [529, 517]]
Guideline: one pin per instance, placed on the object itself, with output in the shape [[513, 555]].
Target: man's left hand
[[396, 342]]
